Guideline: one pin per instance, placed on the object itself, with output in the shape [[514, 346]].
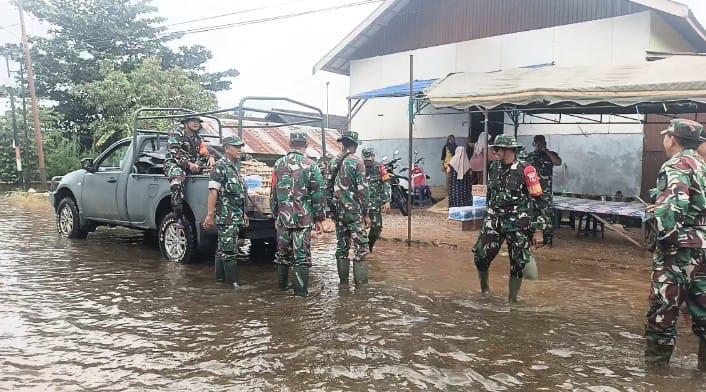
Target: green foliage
[[86, 34], [119, 94]]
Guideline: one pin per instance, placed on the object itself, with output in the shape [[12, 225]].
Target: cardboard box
[[479, 190], [259, 202], [473, 225], [479, 201], [463, 214]]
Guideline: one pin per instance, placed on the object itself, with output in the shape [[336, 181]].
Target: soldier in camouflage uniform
[[512, 215], [227, 198], [679, 266], [379, 190], [544, 161], [297, 202], [183, 158], [347, 191]]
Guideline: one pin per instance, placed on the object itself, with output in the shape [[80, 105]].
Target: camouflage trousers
[[491, 239], [227, 242], [678, 276], [351, 232], [549, 232], [293, 246], [376, 223], [176, 176]]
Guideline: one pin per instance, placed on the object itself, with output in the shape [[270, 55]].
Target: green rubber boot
[[702, 354], [283, 277], [344, 267], [514, 285], [658, 355], [360, 273], [484, 285], [220, 271], [301, 280], [371, 242], [231, 272]]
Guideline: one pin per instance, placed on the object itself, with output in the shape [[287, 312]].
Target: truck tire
[[178, 245], [263, 249], [68, 223]]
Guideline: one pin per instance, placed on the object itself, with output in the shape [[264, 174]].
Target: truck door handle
[[112, 180]]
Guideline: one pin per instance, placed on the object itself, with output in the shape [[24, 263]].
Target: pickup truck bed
[[121, 188]]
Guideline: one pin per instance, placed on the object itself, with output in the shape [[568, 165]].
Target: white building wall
[[382, 123]]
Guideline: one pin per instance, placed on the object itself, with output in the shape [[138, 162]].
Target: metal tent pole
[[410, 189], [486, 128]]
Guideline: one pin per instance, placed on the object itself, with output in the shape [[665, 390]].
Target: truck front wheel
[[68, 224], [177, 242]]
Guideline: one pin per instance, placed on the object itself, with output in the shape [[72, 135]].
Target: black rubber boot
[[231, 272], [702, 354], [344, 267], [220, 271], [658, 355], [301, 280], [178, 214], [371, 242], [283, 277], [514, 286], [484, 285], [360, 273]]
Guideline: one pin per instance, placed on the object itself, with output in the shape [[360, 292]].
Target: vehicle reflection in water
[[109, 313]]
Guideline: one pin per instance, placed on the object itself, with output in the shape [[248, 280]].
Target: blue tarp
[[400, 90]]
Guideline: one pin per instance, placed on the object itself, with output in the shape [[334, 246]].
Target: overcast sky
[[274, 58]]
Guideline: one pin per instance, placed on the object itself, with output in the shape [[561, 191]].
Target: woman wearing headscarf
[[447, 152], [460, 180]]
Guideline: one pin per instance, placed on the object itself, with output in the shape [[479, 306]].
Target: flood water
[[107, 313]]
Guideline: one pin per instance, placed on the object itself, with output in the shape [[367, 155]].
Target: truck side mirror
[[87, 164]]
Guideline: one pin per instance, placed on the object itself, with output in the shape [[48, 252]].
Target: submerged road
[[107, 313]]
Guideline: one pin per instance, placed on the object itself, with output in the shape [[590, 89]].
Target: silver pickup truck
[[126, 186]]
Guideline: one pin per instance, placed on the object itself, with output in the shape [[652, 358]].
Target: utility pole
[[33, 96], [15, 137], [25, 128]]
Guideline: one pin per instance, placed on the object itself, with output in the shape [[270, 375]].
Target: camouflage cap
[[350, 135], [233, 141], [368, 153], [189, 118], [298, 137], [505, 141], [687, 129]]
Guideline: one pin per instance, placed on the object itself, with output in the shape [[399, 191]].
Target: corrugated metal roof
[[274, 140], [403, 25]]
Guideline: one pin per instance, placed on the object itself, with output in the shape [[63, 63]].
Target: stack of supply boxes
[[470, 217]]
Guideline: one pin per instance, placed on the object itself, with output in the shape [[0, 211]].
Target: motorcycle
[[422, 192], [399, 184]]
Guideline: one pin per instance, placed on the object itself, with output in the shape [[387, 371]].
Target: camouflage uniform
[[230, 210], [348, 191], [182, 150], [297, 202], [379, 191], [512, 215], [541, 161], [679, 267]]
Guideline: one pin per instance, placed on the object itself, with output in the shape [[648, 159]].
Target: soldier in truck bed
[[187, 154]]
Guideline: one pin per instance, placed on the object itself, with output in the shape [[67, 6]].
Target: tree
[[118, 94], [85, 34]]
